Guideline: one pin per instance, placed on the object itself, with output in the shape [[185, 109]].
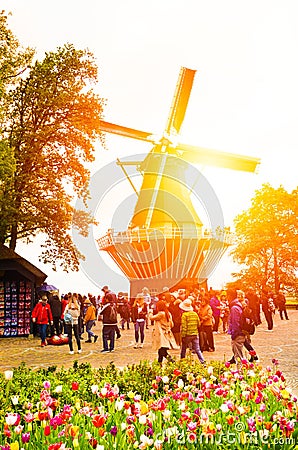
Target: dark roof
[[9, 255]]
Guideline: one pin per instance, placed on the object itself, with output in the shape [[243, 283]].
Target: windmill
[[165, 243]]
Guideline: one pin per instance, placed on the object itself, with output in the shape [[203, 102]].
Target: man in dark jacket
[[56, 308], [113, 300], [109, 322], [237, 335]]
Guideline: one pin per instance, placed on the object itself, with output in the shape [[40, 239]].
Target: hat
[[87, 301], [174, 294], [105, 288], [186, 305], [165, 289]]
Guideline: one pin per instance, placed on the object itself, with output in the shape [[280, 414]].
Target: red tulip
[[47, 430], [98, 420]]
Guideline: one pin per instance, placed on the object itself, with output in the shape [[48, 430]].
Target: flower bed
[[180, 406]]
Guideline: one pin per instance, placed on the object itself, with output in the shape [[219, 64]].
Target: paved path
[[281, 343]]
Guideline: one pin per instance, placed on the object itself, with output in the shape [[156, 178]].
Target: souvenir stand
[[18, 282]]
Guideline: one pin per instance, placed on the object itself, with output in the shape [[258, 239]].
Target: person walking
[[215, 306], [162, 336], [176, 313], [247, 326], [64, 303], [224, 311], [147, 299], [56, 308], [108, 312], [268, 308], [254, 303], [281, 304], [113, 301], [206, 331], [237, 335], [124, 310], [89, 320], [71, 320], [42, 316], [138, 313], [190, 324]]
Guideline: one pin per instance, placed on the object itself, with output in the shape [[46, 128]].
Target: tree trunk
[[13, 237], [276, 271]]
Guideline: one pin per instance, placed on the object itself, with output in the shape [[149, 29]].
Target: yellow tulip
[[14, 446]]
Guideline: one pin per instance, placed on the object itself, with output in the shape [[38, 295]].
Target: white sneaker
[[79, 351], [141, 346], [136, 345], [71, 352]]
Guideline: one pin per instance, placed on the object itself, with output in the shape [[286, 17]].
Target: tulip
[[12, 419], [114, 430], [8, 374], [47, 430], [15, 400], [25, 437], [74, 431], [180, 383], [46, 384], [94, 388]]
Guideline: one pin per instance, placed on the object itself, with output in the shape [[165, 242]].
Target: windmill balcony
[[113, 237]]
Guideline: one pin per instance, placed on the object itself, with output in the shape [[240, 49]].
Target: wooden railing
[[153, 234]]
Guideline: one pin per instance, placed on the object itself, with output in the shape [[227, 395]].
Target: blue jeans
[[139, 330], [193, 343], [89, 325], [42, 331], [108, 335]]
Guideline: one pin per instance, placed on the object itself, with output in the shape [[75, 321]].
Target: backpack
[[247, 324], [113, 314], [68, 318]]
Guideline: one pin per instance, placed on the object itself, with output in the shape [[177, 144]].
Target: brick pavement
[[281, 343]]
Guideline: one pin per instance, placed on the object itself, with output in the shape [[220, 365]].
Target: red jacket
[[42, 313]]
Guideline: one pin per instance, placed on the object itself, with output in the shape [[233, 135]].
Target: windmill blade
[[125, 131], [216, 158], [180, 101]]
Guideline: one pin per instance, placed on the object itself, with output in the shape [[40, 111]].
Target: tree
[[14, 60], [267, 240], [52, 121]]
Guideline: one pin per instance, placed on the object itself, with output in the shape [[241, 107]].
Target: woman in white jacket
[[162, 336]]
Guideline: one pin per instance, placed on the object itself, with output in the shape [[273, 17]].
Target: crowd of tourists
[[180, 319]]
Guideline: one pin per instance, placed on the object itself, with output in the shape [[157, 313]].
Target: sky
[[244, 98]]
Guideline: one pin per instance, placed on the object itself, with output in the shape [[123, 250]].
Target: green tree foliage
[[267, 240], [14, 60], [52, 120]]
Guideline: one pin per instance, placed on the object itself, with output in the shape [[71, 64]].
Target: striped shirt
[[190, 323]]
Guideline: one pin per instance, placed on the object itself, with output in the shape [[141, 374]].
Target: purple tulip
[[113, 430], [25, 437]]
